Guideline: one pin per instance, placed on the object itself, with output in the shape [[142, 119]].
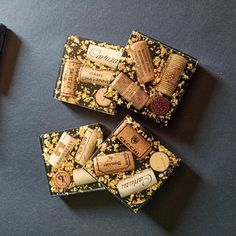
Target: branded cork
[[113, 163], [143, 62], [62, 149], [69, 77], [137, 183], [171, 74], [130, 91], [106, 56], [62, 179], [134, 141], [92, 76], [81, 177], [87, 146], [160, 105]]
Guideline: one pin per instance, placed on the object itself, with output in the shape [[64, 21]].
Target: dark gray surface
[[199, 199]]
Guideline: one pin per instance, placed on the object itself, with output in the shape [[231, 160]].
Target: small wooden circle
[[159, 161], [62, 179], [100, 99]]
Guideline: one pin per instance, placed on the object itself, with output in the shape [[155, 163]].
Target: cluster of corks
[[150, 167], [85, 72], [60, 176], [151, 78]]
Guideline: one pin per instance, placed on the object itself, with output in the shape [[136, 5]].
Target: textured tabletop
[[199, 198]]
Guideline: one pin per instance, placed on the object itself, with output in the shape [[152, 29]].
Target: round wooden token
[[62, 179], [159, 161], [160, 105], [100, 99]]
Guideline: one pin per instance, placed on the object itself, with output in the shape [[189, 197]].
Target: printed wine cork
[[113, 163], [159, 161], [134, 141], [143, 62], [106, 56], [69, 77], [101, 99], [137, 183], [87, 146], [160, 105], [62, 179], [130, 91], [171, 74], [62, 149], [92, 76], [81, 177]]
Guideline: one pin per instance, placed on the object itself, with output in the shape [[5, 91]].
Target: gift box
[[151, 78], [132, 164], [64, 155], [85, 72]]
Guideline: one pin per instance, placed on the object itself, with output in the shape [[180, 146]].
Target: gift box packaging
[[132, 164], [85, 72], [65, 153], [151, 78], [3, 30]]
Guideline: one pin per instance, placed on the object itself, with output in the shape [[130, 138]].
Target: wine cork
[[137, 183], [171, 74], [69, 77], [143, 62], [87, 146], [106, 56], [92, 76], [134, 141], [62, 179], [101, 99], [160, 105], [159, 161], [62, 149], [130, 91], [81, 177], [113, 163]]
